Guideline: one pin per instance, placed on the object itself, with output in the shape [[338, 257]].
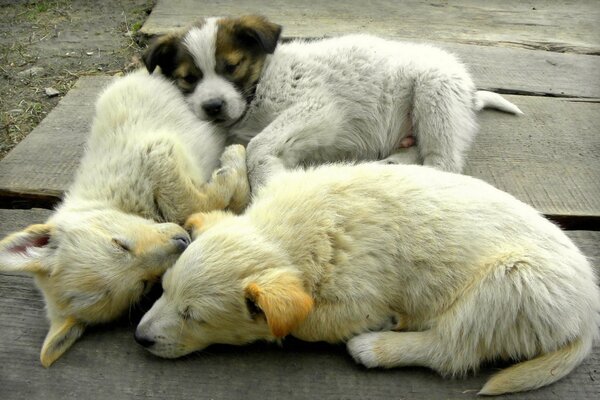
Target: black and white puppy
[[355, 97]]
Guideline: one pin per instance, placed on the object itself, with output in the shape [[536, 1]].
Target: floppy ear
[[22, 251], [200, 222], [61, 336], [283, 300], [162, 53], [257, 31]]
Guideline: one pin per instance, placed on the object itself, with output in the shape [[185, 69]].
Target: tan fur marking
[[248, 61], [194, 222], [285, 304]]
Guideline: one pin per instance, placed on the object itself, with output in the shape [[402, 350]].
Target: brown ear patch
[[255, 31], [162, 52], [175, 61], [284, 302], [241, 48]]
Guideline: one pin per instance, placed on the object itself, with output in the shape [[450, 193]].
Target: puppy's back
[[412, 214]]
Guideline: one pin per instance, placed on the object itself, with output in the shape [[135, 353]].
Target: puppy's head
[[91, 267], [216, 63], [229, 287]]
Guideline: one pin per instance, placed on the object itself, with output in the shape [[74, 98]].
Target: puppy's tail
[[540, 371], [485, 99]]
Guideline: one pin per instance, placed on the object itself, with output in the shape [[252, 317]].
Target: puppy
[[469, 273], [354, 97], [145, 169]]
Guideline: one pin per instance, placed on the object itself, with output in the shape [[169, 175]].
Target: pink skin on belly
[[407, 142]]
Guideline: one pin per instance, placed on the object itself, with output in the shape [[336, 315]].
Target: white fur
[[353, 97], [465, 272], [357, 97]]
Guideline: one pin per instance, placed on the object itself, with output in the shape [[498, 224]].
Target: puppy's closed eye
[[230, 68], [187, 315], [122, 244], [190, 78]]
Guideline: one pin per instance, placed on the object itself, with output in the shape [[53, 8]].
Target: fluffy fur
[[355, 97], [413, 266], [145, 170]]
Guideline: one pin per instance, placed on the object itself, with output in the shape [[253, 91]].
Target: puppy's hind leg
[[393, 349], [443, 121]]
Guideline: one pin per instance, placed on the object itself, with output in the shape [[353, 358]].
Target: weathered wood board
[[514, 70], [534, 72], [42, 165], [107, 363], [549, 25], [549, 158]]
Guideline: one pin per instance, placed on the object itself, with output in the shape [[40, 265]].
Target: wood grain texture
[[42, 165], [521, 71], [107, 363], [562, 26], [548, 158]]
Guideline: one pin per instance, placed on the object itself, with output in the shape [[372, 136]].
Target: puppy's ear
[[162, 53], [256, 31], [282, 299], [200, 222], [62, 334], [23, 251]]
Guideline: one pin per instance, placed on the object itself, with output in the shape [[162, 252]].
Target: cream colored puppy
[[447, 270], [146, 168]]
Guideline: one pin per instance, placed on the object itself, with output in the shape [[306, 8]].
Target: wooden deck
[[543, 55]]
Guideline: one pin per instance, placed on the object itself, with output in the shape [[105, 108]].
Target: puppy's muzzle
[[213, 107], [181, 242], [141, 339]]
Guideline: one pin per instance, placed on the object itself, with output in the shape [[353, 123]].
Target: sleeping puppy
[[458, 272], [147, 166], [354, 97]]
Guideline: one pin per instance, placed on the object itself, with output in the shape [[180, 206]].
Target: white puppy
[[458, 272], [147, 166], [354, 97]]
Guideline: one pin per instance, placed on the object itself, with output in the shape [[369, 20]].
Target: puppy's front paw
[[362, 349], [234, 156]]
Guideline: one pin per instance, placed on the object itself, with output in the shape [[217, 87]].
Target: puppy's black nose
[[181, 242], [143, 340], [213, 107]]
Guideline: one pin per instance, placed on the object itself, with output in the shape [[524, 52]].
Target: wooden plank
[[521, 71], [296, 370], [548, 25], [512, 70], [42, 165], [549, 157]]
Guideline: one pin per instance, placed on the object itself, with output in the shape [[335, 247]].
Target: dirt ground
[[46, 45]]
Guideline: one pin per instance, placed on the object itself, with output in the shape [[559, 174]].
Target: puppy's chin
[[221, 120], [166, 351]]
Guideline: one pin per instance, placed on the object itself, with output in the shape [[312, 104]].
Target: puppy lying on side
[[145, 170], [456, 271], [355, 97]]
